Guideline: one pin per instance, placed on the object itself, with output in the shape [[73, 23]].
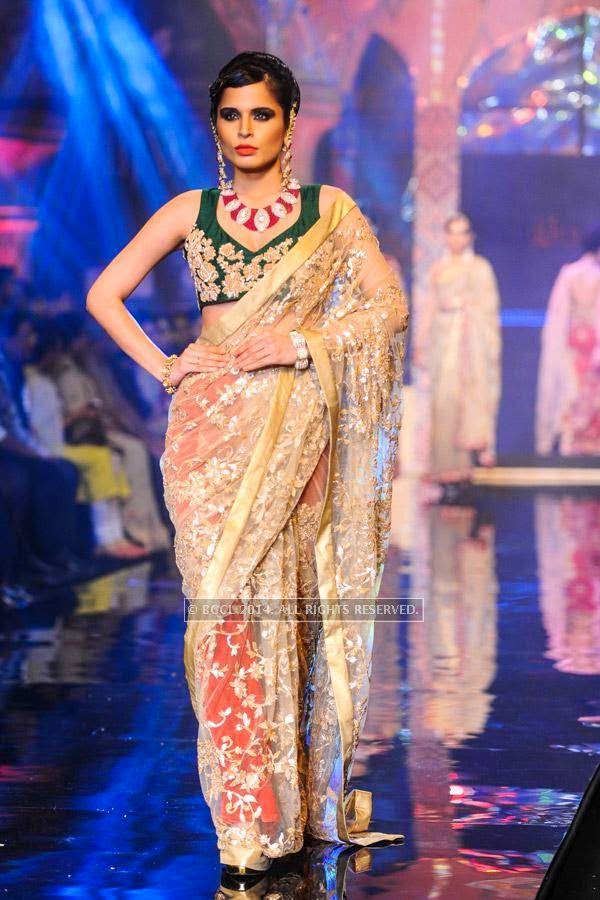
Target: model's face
[[459, 236], [250, 115]]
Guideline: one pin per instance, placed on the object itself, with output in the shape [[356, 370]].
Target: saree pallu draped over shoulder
[[279, 484]]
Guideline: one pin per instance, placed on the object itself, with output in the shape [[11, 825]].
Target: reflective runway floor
[[481, 736]]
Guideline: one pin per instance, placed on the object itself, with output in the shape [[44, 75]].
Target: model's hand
[[198, 357], [268, 348]]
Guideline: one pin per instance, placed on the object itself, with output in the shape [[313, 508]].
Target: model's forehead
[[247, 95]]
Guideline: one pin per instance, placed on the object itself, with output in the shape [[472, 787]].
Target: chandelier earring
[[224, 182], [286, 159]]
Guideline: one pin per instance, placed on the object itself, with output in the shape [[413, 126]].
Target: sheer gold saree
[[278, 483]]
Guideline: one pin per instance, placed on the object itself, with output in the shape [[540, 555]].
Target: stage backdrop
[[528, 213]]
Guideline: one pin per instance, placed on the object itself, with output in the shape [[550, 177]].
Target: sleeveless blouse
[[222, 269]]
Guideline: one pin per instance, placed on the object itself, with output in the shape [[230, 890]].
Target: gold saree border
[[354, 811], [272, 280], [249, 486]]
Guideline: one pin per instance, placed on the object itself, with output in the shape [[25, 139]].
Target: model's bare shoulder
[[483, 262], [327, 197], [183, 209]]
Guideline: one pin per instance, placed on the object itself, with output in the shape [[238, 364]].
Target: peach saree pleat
[[271, 477]]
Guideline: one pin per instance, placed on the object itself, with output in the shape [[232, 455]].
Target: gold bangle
[[166, 373]]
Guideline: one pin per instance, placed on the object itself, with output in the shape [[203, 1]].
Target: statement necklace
[[265, 216]]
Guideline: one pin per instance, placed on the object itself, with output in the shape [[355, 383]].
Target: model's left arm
[[365, 307], [373, 305], [363, 330]]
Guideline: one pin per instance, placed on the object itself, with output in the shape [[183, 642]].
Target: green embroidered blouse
[[222, 269]]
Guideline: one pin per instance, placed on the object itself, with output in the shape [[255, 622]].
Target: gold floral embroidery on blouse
[[223, 271]]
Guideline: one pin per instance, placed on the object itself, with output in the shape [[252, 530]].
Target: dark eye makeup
[[229, 112]]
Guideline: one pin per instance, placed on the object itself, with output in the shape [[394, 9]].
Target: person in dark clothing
[[37, 490]]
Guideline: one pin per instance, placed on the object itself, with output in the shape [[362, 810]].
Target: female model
[[277, 469], [459, 345]]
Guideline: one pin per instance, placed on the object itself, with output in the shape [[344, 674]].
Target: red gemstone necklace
[[265, 216]]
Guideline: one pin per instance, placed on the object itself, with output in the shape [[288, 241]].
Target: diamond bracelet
[[301, 349]]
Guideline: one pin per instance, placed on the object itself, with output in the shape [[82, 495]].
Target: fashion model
[[278, 463], [459, 345], [567, 413]]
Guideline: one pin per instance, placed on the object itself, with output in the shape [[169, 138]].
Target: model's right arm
[[164, 231]]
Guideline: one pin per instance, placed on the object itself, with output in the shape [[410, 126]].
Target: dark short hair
[[458, 217], [251, 67], [590, 239]]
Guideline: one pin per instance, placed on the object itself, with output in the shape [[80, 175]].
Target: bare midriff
[[212, 314]]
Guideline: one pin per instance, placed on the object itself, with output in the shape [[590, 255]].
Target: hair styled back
[[253, 66]]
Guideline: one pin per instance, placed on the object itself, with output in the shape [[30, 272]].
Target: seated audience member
[[102, 480], [38, 490], [86, 388]]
